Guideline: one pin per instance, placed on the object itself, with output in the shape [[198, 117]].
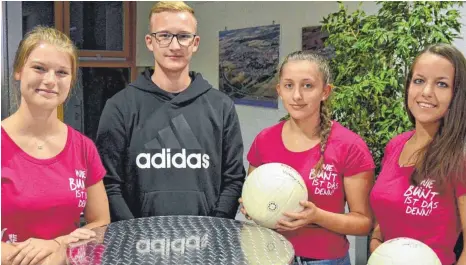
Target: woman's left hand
[[307, 216], [33, 251]]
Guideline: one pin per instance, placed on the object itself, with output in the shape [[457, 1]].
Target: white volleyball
[[403, 251], [271, 190]]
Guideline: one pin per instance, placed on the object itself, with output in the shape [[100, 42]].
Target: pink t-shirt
[[421, 213], [346, 155], [43, 198]]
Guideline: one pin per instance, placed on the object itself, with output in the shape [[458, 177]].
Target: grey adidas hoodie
[[171, 154]]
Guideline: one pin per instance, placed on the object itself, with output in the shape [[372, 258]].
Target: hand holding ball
[[271, 190]]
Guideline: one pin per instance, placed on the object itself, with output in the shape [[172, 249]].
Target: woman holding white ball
[[335, 163]]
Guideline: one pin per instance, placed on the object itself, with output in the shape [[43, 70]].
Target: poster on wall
[[313, 39], [248, 62]]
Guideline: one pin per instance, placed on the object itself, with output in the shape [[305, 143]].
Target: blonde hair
[[170, 6], [52, 36], [31, 41], [325, 112]]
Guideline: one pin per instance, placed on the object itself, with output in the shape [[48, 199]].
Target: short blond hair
[[170, 6]]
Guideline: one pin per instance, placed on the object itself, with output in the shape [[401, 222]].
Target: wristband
[[378, 239]]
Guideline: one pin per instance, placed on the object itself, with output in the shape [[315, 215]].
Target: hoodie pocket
[[158, 203]]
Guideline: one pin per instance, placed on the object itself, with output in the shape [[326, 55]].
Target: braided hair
[[325, 113]]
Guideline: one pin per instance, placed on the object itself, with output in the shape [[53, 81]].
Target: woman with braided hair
[[335, 163]]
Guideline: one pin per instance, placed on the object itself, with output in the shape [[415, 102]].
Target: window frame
[[127, 22], [106, 59]]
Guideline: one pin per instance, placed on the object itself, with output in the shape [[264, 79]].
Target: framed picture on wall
[[248, 62], [313, 39]]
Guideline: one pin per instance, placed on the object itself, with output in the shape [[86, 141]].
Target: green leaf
[[372, 54]]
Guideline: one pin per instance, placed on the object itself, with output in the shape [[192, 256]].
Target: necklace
[[42, 145]]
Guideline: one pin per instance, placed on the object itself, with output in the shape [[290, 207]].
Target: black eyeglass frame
[[154, 34]]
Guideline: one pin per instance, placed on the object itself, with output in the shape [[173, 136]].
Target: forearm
[[346, 224], [96, 223], [7, 250], [97, 211], [119, 209], [233, 172], [226, 210], [377, 234], [376, 238], [111, 142], [227, 204], [233, 180]]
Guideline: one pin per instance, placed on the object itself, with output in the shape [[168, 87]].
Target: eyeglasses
[[165, 38]]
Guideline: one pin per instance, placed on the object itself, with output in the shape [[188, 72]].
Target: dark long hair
[[443, 160]]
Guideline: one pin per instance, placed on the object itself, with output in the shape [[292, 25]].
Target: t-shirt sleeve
[[95, 168], [253, 156], [358, 158]]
